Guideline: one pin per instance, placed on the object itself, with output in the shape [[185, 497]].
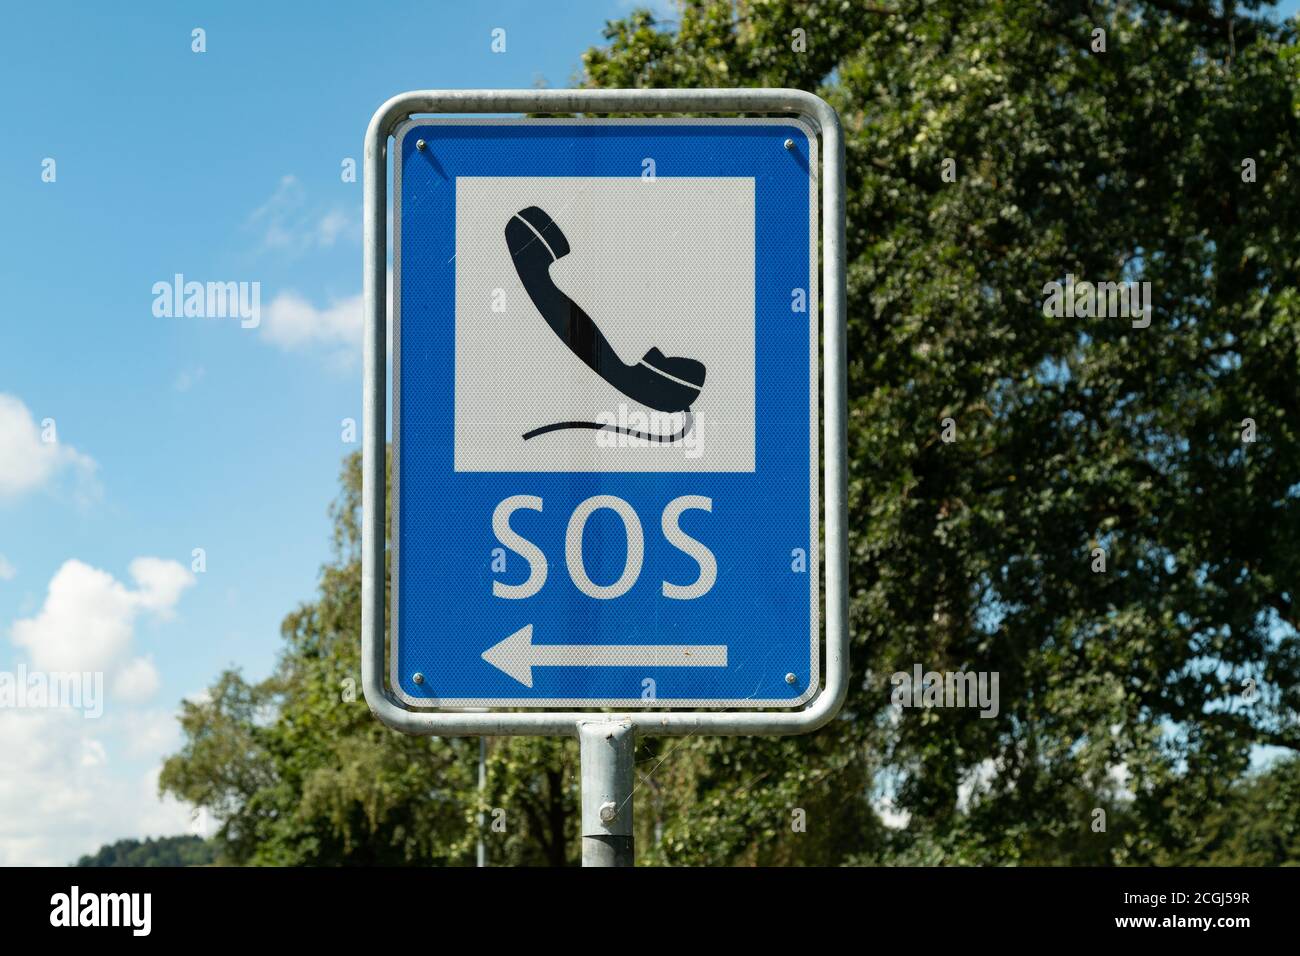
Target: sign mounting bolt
[[789, 144], [790, 678], [419, 144], [418, 677]]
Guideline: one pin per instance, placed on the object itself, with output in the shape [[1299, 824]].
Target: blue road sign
[[605, 391]]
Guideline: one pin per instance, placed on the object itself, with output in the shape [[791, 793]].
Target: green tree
[[1073, 434], [164, 851], [1259, 827]]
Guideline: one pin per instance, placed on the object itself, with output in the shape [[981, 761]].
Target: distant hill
[[165, 851]]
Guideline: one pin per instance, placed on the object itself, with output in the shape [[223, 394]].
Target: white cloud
[[26, 461], [293, 323], [7, 570], [147, 733], [88, 619], [331, 226], [68, 784], [93, 753], [161, 583], [69, 787], [289, 224], [137, 681]]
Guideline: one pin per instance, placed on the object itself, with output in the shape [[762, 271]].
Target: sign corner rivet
[[419, 144], [789, 144], [790, 678], [418, 677]]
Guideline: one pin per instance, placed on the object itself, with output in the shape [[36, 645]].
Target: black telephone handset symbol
[[663, 382]]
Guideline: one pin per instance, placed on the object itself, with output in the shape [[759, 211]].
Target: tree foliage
[[165, 851], [1142, 691]]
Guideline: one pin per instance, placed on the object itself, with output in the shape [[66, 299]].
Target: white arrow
[[517, 655]]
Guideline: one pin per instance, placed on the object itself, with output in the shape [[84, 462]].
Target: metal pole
[[606, 755], [482, 793]]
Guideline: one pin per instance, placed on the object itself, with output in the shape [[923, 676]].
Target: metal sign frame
[[382, 701], [812, 614]]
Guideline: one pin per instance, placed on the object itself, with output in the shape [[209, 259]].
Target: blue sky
[[183, 433]]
